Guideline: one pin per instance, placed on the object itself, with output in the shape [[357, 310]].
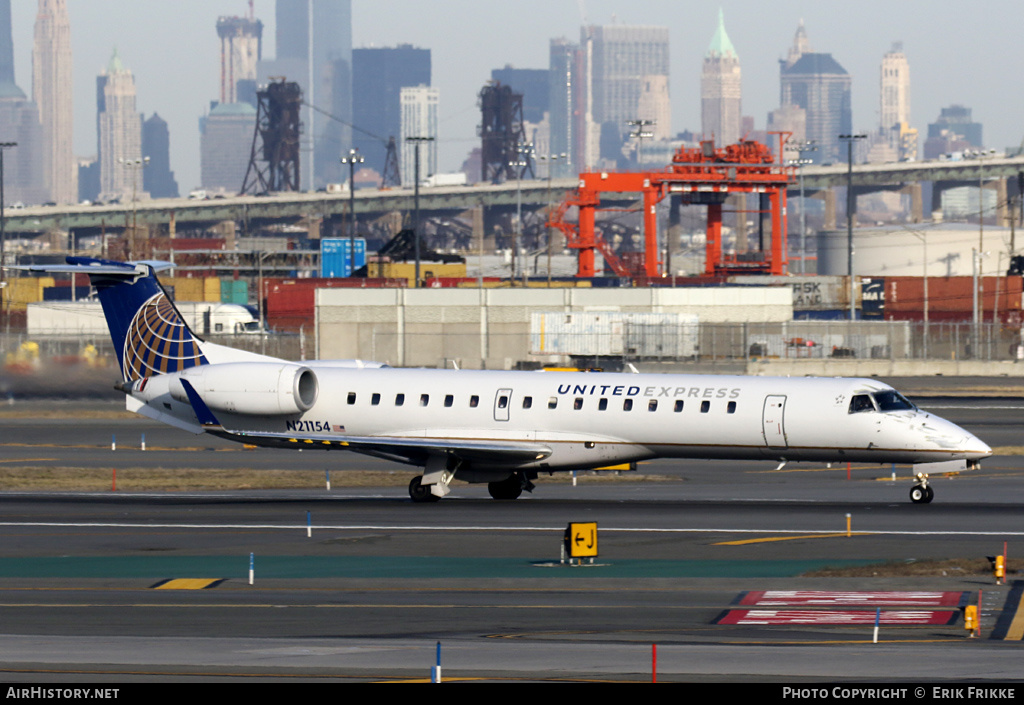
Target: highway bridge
[[258, 211]]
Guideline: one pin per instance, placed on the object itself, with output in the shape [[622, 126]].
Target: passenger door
[[772, 422]]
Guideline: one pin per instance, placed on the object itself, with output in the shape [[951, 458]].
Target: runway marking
[[820, 598], [490, 528], [188, 583], [1010, 625], [743, 542], [838, 617]]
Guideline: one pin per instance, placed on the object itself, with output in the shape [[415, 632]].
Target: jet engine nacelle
[[253, 388]]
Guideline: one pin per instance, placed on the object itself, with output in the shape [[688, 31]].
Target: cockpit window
[[861, 402], [892, 400]]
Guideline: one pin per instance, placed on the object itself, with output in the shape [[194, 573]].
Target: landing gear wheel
[[420, 492], [921, 494], [509, 488]]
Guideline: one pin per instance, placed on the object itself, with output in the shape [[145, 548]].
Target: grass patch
[[71, 479], [951, 567]]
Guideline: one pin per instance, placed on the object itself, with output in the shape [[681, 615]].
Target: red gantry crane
[[703, 175]]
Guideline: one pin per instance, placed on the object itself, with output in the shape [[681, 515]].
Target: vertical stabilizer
[[149, 334]]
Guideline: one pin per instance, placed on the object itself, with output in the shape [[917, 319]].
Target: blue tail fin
[[149, 334]]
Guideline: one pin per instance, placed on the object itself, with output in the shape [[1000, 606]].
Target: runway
[[359, 583]]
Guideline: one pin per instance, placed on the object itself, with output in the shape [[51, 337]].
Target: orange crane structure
[[705, 176]]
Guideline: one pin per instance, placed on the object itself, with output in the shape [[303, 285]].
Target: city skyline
[[950, 62]]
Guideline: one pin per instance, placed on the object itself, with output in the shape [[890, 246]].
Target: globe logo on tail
[[158, 342]]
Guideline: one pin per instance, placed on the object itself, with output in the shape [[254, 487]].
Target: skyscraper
[[52, 92], [895, 88], [818, 84], [720, 89], [953, 131], [378, 76], [894, 102], [158, 179], [120, 131], [567, 106], [620, 58], [314, 49], [19, 122], [241, 46], [225, 145], [419, 119]]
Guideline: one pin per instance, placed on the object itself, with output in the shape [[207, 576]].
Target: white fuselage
[[597, 419]]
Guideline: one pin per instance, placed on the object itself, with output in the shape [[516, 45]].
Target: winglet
[[203, 413]]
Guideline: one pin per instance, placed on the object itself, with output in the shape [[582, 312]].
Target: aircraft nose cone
[[976, 447]]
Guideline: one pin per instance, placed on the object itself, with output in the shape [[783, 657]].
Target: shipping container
[[505, 283], [810, 293], [407, 270], [234, 291], [289, 303], [25, 290], [953, 298], [336, 258], [63, 293], [614, 334]]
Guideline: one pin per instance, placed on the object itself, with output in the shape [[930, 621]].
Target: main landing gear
[[511, 487], [422, 491], [922, 493]]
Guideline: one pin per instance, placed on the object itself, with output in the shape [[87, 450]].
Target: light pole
[[802, 149], [924, 245], [417, 141], [4, 297], [135, 165], [550, 159], [352, 159], [851, 206], [524, 151], [639, 134], [980, 155]]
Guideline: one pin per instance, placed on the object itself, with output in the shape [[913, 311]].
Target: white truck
[[85, 318], [456, 179]]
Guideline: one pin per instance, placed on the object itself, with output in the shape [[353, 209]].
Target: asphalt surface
[[359, 584]]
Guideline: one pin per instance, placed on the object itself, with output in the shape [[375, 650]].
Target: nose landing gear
[[922, 493]]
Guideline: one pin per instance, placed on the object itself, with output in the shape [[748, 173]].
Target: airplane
[[503, 428]]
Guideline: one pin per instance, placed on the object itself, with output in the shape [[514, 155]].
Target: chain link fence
[[699, 342]]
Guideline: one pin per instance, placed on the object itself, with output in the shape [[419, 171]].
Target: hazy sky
[[959, 53]]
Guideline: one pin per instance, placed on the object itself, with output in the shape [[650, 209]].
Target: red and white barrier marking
[[837, 617], [786, 598]]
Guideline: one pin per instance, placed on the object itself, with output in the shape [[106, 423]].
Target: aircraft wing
[[401, 448]]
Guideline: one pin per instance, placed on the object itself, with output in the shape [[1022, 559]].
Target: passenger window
[[424, 399], [577, 403], [527, 402], [552, 402], [502, 402], [860, 403], [375, 399], [731, 409], [474, 401], [351, 397], [448, 400], [399, 399], [652, 405], [679, 406], [705, 406], [602, 405], [627, 404]]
